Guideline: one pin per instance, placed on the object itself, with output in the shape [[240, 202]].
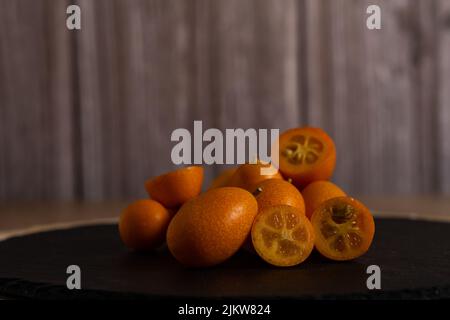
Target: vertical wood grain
[[389, 121], [170, 70], [443, 69], [135, 74], [426, 86], [375, 92], [254, 52], [36, 159], [88, 114]]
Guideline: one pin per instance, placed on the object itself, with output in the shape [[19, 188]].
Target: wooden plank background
[[88, 114]]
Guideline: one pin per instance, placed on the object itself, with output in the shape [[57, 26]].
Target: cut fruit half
[[344, 228], [282, 235], [306, 155]]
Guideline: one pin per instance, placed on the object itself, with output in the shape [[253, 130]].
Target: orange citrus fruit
[[248, 175], [143, 225], [275, 192], [282, 235], [223, 178], [176, 187], [344, 228], [306, 155], [317, 192], [210, 228]]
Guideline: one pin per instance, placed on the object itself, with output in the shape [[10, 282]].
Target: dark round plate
[[414, 258]]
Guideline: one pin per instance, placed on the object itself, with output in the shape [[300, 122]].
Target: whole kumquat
[[210, 228], [274, 192], [223, 179], [247, 176], [176, 187], [317, 192], [143, 225]]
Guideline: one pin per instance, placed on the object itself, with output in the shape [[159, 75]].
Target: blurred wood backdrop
[[88, 114]]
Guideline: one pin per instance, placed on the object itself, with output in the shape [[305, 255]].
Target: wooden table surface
[[24, 218]]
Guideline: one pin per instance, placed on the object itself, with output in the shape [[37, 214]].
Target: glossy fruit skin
[[248, 175], [284, 233], [320, 169], [176, 187], [318, 192], [364, 227], [210, 228], [223, 179], [143, 225], [278, 192]]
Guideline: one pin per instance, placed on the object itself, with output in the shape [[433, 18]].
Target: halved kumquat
[[306, 155], [282, 235], [344, 228]]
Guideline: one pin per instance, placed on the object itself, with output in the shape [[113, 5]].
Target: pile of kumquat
[[281, 216]]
